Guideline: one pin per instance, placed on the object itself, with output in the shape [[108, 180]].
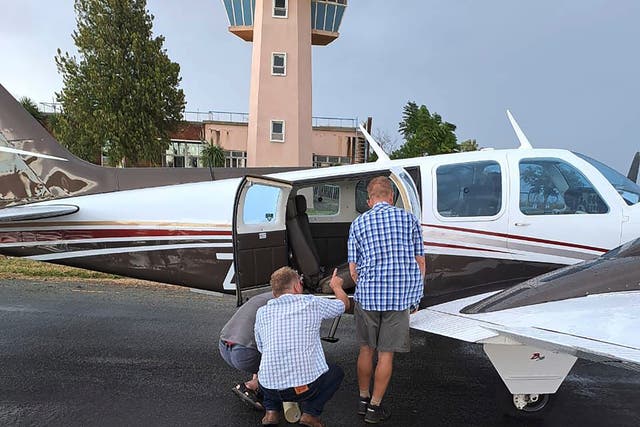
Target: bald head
[[380, 189]]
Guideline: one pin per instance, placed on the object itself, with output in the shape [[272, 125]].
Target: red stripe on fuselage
[[469, 248], [49, 235], [516, 237]]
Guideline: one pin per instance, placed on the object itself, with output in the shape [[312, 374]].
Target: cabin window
[[469, 189], [362, 197], [554, 187], [322, 199], [260, 204], [279, 64], [280, 8]]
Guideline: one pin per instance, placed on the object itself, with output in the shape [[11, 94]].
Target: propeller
[[30, 153], [524, 142]]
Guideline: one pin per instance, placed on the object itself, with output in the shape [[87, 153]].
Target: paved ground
[[104, 354]]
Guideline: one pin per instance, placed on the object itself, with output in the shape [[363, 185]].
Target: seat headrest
[[291, 209], [301, 204]]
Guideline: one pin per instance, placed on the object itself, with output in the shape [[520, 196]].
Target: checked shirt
[[288, 336], [384, 243]]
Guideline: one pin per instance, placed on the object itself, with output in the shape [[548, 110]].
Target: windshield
[[629, 190]]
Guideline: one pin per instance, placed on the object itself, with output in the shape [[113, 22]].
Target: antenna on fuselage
[[524, 142], [382, 156]]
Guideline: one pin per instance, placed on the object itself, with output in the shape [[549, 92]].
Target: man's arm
[[336, 287], [353, 270], [256, 331], [422, 265]]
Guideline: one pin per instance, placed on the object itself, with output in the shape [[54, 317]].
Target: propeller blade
[[30, 153]]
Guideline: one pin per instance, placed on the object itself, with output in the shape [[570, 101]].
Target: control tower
[[282, 32]]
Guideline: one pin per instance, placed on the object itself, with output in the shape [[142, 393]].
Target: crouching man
[[238, 347], [293, 367]]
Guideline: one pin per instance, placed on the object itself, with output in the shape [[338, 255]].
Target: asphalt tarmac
[[110, 354]]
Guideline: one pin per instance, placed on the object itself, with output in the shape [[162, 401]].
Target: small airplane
[[491, 218], [534, 332]]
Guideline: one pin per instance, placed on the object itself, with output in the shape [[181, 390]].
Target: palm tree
[[212, 156]]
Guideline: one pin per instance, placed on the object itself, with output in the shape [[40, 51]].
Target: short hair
[[283, 280], [379, 188]]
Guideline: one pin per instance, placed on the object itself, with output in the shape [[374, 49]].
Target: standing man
[[386, 261], [238, 347], [293, 366]]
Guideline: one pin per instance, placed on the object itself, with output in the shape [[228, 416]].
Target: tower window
[[280, 8], [277, 130], [279, 64]]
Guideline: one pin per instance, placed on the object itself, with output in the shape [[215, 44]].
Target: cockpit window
[[629, 190], [554, 187]]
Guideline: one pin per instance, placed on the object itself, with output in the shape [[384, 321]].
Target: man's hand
[[336, 281], [336, 287]]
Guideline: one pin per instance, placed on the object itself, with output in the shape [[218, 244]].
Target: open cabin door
[[259, 231], [408, 191]]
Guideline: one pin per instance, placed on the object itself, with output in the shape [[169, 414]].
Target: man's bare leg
[[365, 369], [382, 376]]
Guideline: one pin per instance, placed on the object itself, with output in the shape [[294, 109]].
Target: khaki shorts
[[383, 330]]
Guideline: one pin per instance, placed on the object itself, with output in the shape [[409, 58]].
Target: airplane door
[[259, 231], [561, 212], [408, 191]]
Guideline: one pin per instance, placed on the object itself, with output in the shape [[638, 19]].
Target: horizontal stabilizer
[[30, 212]]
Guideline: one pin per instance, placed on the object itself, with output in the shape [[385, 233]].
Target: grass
[[20, 268]]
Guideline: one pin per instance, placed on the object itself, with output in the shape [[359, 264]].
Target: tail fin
[[28, 174], [633, 169]]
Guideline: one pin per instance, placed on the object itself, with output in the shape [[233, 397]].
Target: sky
[[569, 70]]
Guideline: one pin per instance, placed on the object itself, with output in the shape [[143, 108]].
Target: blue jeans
[[313, 400], [243, 358]]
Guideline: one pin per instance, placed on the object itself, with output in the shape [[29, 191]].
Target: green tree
[[424, 133], [468, 145], [32, 108], [212, 156], [121, 94]]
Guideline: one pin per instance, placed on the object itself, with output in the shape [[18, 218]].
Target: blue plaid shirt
[[288, 336], [384, 243]]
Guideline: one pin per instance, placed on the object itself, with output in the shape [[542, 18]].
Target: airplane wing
[[601, 327], [30, 212]]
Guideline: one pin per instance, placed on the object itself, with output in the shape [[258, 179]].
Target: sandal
[[248, 396]]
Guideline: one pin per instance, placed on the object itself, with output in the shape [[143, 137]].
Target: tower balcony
[[326, 17]]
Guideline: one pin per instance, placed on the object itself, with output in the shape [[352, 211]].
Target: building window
[[321, 161], [279, 64], [235, 159], [277, 130], [280, 8]]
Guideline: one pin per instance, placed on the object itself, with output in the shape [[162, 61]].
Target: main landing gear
[[530, 402]]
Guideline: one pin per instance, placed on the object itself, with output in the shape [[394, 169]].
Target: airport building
[[279, 129]]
